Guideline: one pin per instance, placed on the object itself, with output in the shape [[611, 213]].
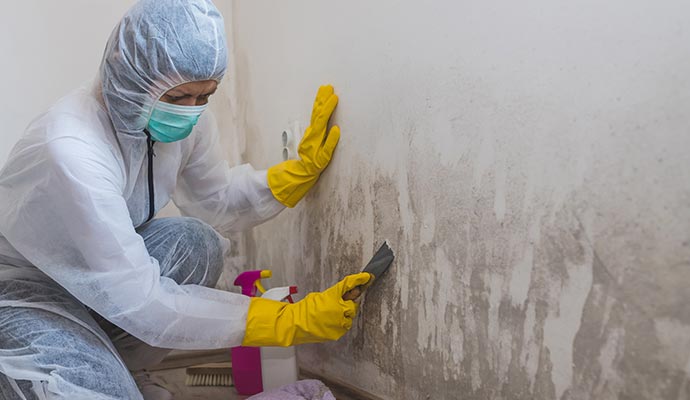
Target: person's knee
[[189, 250], [203, 235], [210, 249]]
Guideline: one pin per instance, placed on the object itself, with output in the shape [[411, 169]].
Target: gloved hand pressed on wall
[[319, 317], [291, 180]]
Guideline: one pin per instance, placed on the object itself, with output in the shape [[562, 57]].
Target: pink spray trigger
[[250, 281]]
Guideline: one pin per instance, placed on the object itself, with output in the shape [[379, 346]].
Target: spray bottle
[[278, 364], [246, 361]]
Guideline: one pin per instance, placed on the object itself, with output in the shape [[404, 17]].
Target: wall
[[234, 141], [528, 161], [48, 48]]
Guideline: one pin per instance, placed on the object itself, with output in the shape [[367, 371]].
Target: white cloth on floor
[[308, 389]]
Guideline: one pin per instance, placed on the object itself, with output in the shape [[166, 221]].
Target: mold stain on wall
[[538, 216], [518, 307]]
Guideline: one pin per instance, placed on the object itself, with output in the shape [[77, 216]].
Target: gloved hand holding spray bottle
[[276, 366], [319, 317]]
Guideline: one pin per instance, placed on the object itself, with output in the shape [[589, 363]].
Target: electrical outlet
[[290, 138]]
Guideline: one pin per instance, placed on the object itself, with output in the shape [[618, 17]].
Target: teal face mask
[[170, 122]]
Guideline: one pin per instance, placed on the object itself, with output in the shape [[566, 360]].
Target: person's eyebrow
[[180, 93], [177, 94]]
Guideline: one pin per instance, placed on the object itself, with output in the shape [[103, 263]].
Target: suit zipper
[[150, 155]]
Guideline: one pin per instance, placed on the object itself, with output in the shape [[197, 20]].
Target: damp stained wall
[[529, 163]]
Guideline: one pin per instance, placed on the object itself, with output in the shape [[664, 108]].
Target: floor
[[174, 379], [172, 373]]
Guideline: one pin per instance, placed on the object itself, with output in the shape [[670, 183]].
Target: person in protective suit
[[92, 286]]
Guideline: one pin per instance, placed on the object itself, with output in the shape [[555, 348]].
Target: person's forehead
[[199, 87]]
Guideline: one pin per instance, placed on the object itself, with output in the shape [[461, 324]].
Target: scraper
[[377, 266]]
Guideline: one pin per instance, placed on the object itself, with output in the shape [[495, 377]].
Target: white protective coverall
[[75, 190]]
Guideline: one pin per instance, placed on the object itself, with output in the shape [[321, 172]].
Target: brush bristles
[[214, 374], [208, 380]]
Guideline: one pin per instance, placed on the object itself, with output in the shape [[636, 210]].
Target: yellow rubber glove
[[319, 317], [291, 180]]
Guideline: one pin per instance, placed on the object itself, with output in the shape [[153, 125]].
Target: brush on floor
[[215, 374]]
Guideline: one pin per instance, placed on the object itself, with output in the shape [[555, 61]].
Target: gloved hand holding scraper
[[377, 266]]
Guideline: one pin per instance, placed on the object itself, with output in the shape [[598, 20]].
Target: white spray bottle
[[278, 364]]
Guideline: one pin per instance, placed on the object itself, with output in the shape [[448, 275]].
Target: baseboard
[[183, 359]]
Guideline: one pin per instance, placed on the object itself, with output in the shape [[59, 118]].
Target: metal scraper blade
[[377, 266], [380, 261]]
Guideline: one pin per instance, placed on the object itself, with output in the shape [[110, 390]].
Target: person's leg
[[44, 355], [188, 251]]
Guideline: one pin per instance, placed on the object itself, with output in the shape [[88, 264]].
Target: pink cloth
[[309, 389]]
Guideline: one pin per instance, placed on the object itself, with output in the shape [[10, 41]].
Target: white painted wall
[[48, 48], [527, 160]]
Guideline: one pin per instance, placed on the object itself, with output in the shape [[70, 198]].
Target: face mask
[[170, 122]]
